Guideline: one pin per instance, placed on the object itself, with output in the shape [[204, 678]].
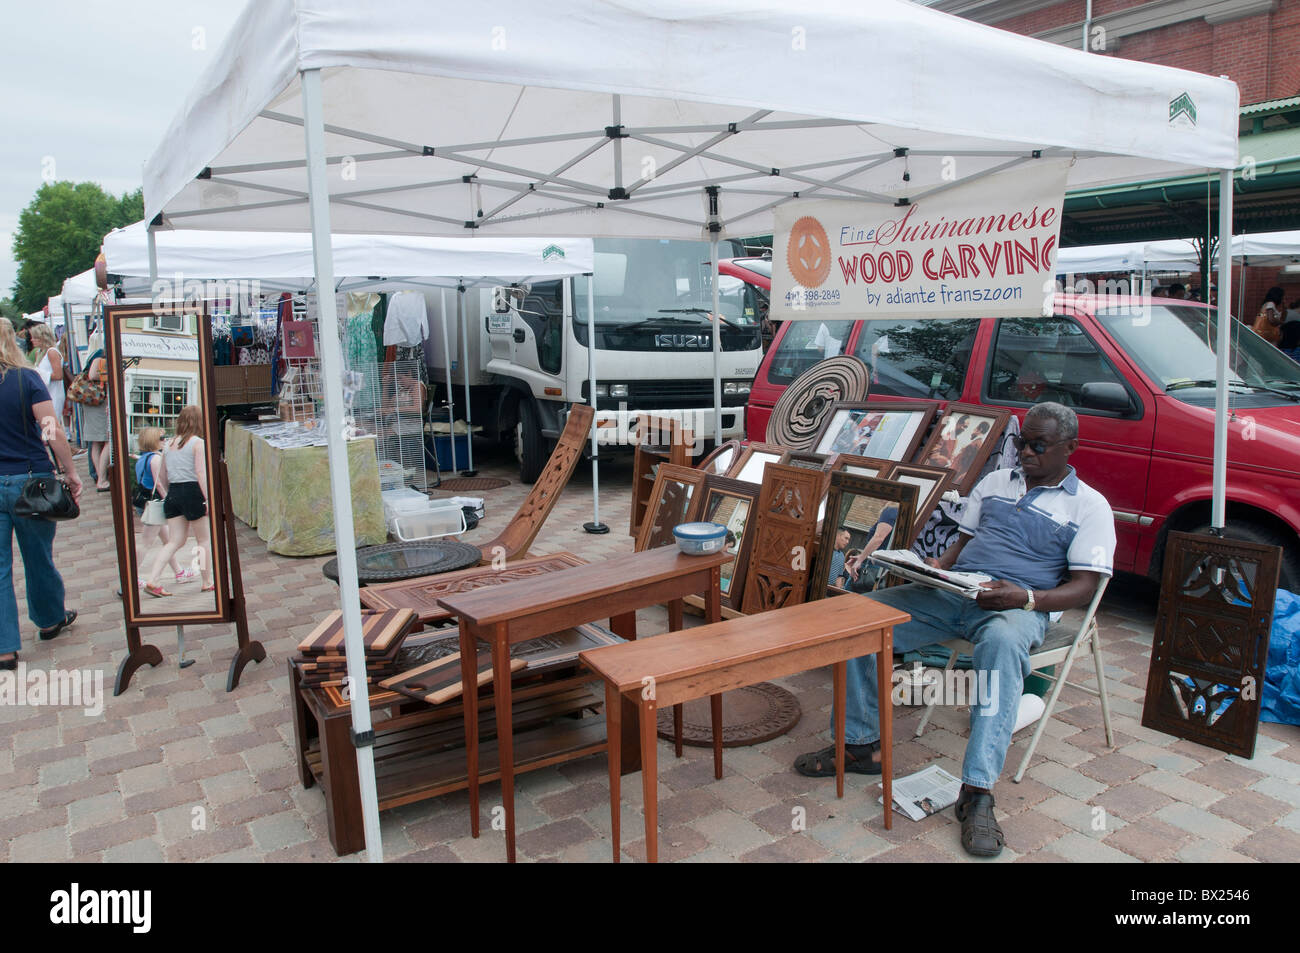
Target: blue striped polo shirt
[[1035, 537]]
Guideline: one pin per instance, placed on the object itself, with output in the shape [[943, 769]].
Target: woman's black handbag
[[45, 497]]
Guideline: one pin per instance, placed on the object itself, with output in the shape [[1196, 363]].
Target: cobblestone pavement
[[176, 769]]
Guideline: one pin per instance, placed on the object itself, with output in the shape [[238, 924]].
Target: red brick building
[[1256, 43]]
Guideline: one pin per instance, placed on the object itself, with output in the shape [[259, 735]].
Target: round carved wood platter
[[804, 405], [750, 716]]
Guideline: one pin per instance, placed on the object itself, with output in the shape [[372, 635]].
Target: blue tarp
[[1280, 698]]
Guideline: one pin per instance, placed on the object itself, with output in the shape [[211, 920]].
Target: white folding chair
[[1060, 647]]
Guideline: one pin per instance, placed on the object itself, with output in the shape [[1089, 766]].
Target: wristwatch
[[1029, 603]]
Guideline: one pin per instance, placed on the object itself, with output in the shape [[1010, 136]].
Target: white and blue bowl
[[700, 539]]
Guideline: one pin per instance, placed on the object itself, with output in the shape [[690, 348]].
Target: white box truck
[[527, 363]]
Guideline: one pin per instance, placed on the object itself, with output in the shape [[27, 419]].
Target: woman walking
[[183, 477], [147, 469], [49, 365], [26, 411], [94, 420]]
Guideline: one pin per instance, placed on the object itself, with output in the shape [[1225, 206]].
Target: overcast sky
[[90, 87]]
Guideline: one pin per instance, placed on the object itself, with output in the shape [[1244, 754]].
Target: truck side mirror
[[501, 300], [1106, 395]]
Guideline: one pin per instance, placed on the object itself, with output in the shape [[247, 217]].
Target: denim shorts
[[185, 499]]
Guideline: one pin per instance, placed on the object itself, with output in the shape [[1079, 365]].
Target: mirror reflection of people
[[1047, 539], [183, 479], [842, 537], [94, 419], [147, 468], [861, 572], [26, 414]]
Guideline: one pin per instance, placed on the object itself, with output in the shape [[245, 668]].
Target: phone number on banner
[[812, 296]]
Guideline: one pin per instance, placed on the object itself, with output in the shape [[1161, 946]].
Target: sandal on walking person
[[68, 618], [980, 833], [156, 590], [858, 759]]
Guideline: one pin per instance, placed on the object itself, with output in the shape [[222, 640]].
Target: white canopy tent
[[585, 117], [1264, 249], [283, 261]]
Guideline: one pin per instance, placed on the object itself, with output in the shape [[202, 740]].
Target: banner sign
[[160, 346], [986, 249]]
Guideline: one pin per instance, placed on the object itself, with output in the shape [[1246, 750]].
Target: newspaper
[[908, 565], [927, 792]]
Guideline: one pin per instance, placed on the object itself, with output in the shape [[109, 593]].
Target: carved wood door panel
[[780, 561], [1211, 641]]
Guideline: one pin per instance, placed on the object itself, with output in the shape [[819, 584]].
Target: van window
[[1038, 359], [803, 345], [925, 359], [543, 311]]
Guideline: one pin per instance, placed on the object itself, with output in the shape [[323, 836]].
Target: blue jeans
[[1002, 643], [44, 584]]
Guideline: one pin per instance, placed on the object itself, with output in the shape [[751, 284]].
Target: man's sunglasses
[[1038, 447]]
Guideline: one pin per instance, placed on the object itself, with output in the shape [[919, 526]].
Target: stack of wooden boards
[[321, 659]]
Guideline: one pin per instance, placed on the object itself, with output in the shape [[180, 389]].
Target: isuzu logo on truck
[[683, 340]]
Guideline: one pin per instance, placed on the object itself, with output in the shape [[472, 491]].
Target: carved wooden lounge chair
[[514, 540]]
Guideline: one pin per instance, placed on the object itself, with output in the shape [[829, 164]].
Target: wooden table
[[613, 589], [681, 666], [422, 595]]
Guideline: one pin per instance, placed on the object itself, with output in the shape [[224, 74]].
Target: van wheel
[[1289, 574], [530, 445]]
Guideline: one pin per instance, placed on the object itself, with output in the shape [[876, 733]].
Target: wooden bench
[[706, 660]]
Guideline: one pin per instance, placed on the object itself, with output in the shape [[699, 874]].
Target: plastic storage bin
[[435, 518]]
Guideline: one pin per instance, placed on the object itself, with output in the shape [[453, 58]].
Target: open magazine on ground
[[927, 792], [910, 566]]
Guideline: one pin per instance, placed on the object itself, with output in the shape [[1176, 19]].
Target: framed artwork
[[862, 515], [298, 339], [753, 458], [890, 431], [862, 466], [674, 493], [241, 335], [808, 460], [962, 441], [931, 483], [730, 503]]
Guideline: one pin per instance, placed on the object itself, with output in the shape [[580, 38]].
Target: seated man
[[1045, 537]]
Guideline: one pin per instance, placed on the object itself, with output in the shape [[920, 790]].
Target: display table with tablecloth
[[284, 493]]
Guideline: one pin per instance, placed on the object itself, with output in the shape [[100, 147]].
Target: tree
[[59, 235], [9, 310]]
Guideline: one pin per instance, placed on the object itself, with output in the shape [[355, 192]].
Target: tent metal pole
[[451, 404], [1218, 514], [337, 449], [717, 348], [152, 242], [595, 526], [464, 363]]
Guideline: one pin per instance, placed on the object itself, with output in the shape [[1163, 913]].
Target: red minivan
[[1140, 374]]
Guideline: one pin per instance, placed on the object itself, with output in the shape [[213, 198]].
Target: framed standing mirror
[[162, 418], [862, 515]]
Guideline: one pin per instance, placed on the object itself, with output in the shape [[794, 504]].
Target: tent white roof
[[1266, 248], [496, 114], [284, 259], [80, 290]]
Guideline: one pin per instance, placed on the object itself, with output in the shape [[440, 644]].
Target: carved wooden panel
[[422, 594], [675, 491], [779, 564], [1211, 641], [657, 439], [527, 522]]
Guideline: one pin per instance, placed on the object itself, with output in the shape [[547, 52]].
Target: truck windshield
[[1175, 346], [639, 280]]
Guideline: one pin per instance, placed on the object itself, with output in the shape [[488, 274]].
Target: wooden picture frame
[[843, 508], [671, 502], [890, 430], [931, 483], [679, 449], [720, 458], [808, 460], [745, 468], [950, 445], [870, 467], [730, 502]]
